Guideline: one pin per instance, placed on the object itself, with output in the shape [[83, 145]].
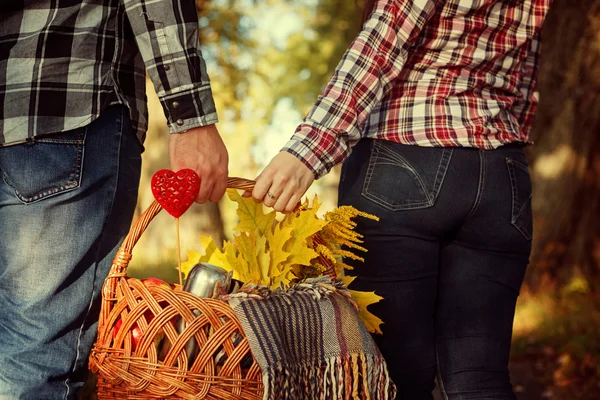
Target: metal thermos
[[204, 280]]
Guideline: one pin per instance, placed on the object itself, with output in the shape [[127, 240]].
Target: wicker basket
[[135, 372]]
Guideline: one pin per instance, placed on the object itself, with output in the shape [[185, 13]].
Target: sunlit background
[[268, 61]]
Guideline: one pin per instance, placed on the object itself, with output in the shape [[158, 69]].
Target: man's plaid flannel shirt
[[63, 62], [430, 73]]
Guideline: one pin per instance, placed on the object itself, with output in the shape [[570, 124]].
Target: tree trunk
[[566, 157]]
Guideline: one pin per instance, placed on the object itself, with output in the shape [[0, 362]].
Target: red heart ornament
[[175, 191]]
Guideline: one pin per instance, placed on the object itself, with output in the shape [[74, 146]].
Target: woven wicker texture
[[224, 368]]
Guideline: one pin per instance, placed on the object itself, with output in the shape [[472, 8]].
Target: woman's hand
[[282, 183]]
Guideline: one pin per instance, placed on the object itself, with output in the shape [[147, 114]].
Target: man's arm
[[166, 33]]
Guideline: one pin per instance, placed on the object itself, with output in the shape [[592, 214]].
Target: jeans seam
[[59, 141], [370, 169], [516, 217], [391, 207], [112, 204], [439, 178], [514, 191], [480, 186], [439, 375]]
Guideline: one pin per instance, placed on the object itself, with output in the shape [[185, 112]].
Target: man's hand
[[283, 182], [202, 150]]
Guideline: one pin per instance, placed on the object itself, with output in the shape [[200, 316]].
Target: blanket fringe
[[358, 377]]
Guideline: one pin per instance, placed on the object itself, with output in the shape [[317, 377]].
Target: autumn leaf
[[209, 247], [281, 267], [284, 278], [225, 259], [193, 259], [347, 279], [251, 214], [244, 272], [281, 234], [304, 224], [219, 259], [253, 250], [363, 300], [262, 259]]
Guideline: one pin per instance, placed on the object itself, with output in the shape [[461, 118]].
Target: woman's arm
[[362, 78], [526, 107]]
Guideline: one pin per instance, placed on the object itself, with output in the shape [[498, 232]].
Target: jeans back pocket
[[520, 181], [405, 177], [45, 167]]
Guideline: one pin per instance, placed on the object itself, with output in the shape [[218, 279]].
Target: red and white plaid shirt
[[430, 73]]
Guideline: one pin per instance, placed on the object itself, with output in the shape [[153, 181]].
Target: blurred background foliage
[[268, 61]]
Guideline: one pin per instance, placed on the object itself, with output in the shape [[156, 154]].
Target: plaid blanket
[[310, 344]]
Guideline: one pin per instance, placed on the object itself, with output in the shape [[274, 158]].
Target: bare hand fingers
[[206, 188], [283, 199], [292, 203], [272, 196], [263, 183], [218, 190]]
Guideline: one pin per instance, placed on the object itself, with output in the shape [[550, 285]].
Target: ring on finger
[[271, 196]]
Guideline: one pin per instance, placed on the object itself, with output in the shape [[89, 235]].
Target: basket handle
[[123, 256]]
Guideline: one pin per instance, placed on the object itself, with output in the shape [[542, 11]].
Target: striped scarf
[[311, 344]]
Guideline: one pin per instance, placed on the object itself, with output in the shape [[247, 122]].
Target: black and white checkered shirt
[[64, 61]]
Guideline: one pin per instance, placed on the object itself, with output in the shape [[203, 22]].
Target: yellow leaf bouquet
[[276, 253]]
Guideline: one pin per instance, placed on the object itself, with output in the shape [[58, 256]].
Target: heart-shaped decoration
[[175, 191]]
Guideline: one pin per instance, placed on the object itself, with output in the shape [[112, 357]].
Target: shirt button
[[166, 67], [179, 122], [175, 104]]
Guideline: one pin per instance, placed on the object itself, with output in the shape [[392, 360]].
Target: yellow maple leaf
[[262, 260], [281, 234], [363, 300], [219, 259], [304, 224], [246, 244], [225, 259], [283, 275], [252, 215], [193, 259], [243, 272], [209, 247], [347, 279]]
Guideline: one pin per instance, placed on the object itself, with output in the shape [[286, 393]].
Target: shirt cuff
[[189, 109], [314, 148]]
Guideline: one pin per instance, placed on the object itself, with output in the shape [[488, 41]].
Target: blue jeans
[[448, 256], [66, 202]]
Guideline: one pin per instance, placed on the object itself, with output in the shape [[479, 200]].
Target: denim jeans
[[448, 255], [66, 202]]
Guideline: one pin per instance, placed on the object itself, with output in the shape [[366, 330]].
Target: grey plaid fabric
[[62, 62], [311, 344]]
